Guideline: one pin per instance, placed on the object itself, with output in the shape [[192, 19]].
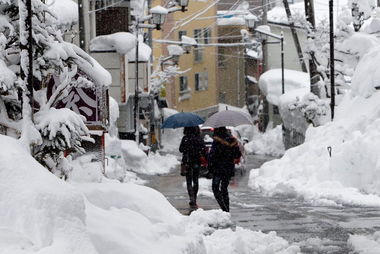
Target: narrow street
[[318, 229]]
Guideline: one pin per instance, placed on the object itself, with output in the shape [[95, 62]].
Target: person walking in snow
[[192, 147], [224, 151]]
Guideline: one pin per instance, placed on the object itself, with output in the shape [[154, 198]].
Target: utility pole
[[264, 44], [136, 111], [332, 58], [82, 35], [314, 75], [28, 47], [295, 36]]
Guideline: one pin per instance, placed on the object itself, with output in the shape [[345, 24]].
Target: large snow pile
[[128, 218], [352, 174], [270, 83], [363, 244], [267, 143], [38, 212], [108, 217]]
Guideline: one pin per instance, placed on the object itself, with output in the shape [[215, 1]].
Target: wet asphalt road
[[317, 229]]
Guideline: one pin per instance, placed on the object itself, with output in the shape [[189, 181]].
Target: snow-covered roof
[[121, 42], [271, 86], [321, 9], [65, 10]]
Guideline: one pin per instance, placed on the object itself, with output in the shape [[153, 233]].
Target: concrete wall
[[291, 60]]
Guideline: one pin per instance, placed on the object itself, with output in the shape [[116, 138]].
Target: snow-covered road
[[317, 229]]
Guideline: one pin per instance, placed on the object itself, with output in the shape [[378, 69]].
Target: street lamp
[[157, 16], [250, 20], [183, 4]]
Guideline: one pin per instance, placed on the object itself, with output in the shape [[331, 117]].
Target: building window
[[180, 33], [201, 81], [206, 35], [111, 20], [221, 57], [198, 51], [205, 80], [275, 110], [182, 84]]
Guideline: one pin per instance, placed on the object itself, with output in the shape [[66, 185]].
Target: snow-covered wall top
[[271, 86], [121, 42], [65, 10]]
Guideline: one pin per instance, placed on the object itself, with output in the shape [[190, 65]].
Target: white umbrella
[[227, 118]]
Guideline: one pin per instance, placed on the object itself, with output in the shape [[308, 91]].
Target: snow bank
[[140, 199], [270, 83], [362, 244], [128, 218], [350, 176], [138, 161], [38, 212], [267, 143], [247, 241]]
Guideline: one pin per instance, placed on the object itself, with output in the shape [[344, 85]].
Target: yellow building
[[196, 89]]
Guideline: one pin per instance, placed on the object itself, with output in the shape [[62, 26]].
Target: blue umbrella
[[183, 119]]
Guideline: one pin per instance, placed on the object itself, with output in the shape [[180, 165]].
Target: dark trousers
[[220, 189], [192, 184]]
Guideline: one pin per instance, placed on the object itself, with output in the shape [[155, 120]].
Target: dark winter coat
[[192, 147], [222, 155]]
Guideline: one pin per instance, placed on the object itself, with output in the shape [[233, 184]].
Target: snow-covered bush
[[313, 109], [62, 130], [43, 127]]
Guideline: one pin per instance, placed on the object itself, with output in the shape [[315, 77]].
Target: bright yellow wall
[[199, 99]]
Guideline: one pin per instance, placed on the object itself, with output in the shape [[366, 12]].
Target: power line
[[106, 7]]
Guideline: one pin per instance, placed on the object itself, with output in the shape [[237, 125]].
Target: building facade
[[196, 88]]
